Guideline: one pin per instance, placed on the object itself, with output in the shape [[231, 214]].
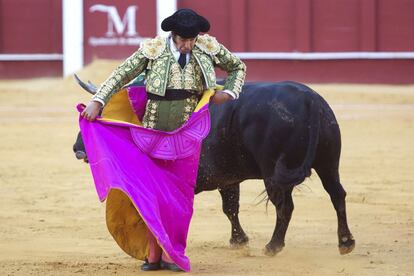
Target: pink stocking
[[154, 249], [166, 258]]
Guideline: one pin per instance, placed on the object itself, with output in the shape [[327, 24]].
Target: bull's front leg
[[230, 197], [283, 202]]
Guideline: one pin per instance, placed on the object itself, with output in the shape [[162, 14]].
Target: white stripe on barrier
[[247, 55], [325, 55], [31, 57]]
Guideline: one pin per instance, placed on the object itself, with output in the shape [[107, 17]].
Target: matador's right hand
[[91, 111]]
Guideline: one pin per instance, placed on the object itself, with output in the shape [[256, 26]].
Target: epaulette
[[208, 44], [152, 48]]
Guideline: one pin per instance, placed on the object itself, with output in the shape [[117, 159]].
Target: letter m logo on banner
[[115, 24]]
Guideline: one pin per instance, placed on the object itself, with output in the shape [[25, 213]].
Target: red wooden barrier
[[113, 29], [30, 27]]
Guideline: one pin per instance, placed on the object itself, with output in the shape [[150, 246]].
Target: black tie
[[182, 60]]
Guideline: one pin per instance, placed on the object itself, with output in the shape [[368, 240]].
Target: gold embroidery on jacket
[[208, 44], [189, 78], [153, 48], [151, 114], [189, 106]]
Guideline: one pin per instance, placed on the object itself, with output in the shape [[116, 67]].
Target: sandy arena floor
[[51, 222]]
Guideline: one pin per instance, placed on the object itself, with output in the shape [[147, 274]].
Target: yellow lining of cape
[[119, 109], [126, 224]]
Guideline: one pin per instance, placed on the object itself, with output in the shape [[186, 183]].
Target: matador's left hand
[[220, 97]]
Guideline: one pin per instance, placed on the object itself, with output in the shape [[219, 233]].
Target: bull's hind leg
[[283, 202], [330, 180], [230, 197]]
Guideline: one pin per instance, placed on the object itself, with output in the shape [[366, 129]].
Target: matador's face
[[184, 45]]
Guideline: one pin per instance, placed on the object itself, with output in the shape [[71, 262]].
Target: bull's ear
[[90, 87]]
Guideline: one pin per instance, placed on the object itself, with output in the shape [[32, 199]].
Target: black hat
[[185, 23]]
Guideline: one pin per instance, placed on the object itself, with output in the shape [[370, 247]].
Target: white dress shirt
[[177, 53]]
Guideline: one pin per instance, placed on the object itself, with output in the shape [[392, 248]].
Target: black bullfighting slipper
[[170, 266], [147, 266]]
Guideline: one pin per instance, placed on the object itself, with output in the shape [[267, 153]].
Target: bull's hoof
[[239, 241], [346, 244], [270, 250]]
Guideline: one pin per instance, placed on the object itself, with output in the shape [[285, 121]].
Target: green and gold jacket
[[155, 58]]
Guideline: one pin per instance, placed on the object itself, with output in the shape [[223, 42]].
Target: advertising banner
[[114, 29]]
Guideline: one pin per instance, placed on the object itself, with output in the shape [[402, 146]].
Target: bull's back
[[275, 108], [249, 135]]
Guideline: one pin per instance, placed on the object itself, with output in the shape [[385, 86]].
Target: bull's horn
[[90, 87]]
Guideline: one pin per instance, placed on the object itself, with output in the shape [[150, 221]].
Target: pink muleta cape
[[146, 176]]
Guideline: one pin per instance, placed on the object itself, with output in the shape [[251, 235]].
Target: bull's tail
[[283, 176]]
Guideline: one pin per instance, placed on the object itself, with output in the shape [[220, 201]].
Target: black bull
[[276, 132]]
